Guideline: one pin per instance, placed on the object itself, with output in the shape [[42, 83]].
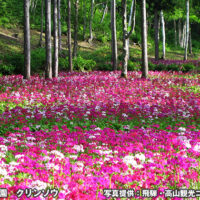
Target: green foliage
[[16, 60], [188, 67], [105, 67], [152, 67], [134, 66], [81, 64], [6, 69], [173, 67], [38, 57]]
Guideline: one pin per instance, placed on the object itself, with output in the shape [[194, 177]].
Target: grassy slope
[[9, 44]]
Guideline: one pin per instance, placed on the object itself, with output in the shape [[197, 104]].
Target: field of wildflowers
[[85, 132]]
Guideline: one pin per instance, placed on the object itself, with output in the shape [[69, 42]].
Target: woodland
[[100, 99]]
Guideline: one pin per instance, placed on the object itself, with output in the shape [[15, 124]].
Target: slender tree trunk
[[144, 42], [133, 12], [76, 29], [59, 27], [179, 32], [27, 46], [163, 33], [156, 28], [187, 29], [42, 17], [126, 36], [125, 41], [183, 36], [175, 34], [48, 70], [104, 13], [114, 35], [69, 37], [55, 31], [190, 42], [91, 20], [84, 19]]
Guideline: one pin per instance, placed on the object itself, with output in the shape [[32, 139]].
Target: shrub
[[188, 67], [38, 57], [16, 60], [6, 69], [134, 66], [160, 67], [63, 63], [152, 67], [105, 67], [81, 64], [173, 67]]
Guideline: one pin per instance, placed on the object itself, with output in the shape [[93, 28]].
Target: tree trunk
[[69, 37], [27, 46], [175, 34], [42, 17], [190, 43], [183, 36], [55, 31], [163, 33], [187, 29], [126, 36], [84, 19], [104, 13], [125, 40], [114, 36], [144, 42], [59, 27], [76, 29], [91, 20], [156, 28], [179, 32], [133, 12], [48, 70]]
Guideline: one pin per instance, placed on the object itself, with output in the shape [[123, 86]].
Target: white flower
[[197, 147], [182, 129], [39, 185], [129, 160], [3, 172], [124, 115], [57, 153], [78, 148], [91, 136], [31, 138], [3, 148], [73, 156], [140, 157]]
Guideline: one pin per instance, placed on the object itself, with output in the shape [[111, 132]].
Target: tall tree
[[27, 46], [126, 36], [114, 35], [48, 70], [84, 18], [42, 17], [163, 33], [91, 20], [59, 27], [69, 37], [55, 41], [133, 12], [104, 12], [76, 29], [187, 29], [144, 41], [175, 34], [156, 34]]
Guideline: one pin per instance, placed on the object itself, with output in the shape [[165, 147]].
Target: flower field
[[85, 132]]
